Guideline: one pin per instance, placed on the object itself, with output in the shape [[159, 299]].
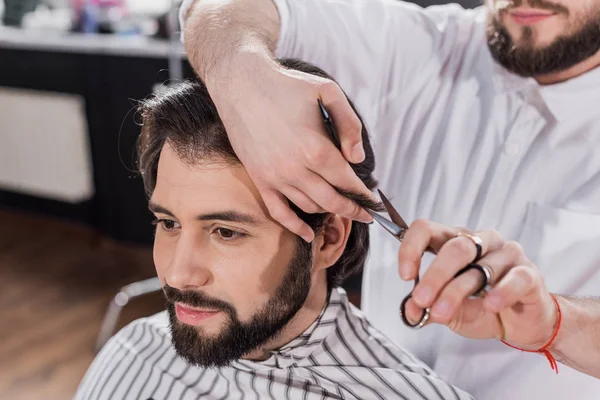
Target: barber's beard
[[527, 60], [239, 338]]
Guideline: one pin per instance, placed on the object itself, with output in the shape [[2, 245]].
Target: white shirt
[[461, 141], [340, 356]]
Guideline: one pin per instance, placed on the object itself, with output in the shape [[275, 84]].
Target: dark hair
[[186, 117]]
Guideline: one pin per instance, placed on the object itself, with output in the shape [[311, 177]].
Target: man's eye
[[228, 234], [167, 225]]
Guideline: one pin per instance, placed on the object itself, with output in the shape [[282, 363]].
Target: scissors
[[397, 227]]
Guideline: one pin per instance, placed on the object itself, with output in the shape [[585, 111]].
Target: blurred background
[[75, 233]]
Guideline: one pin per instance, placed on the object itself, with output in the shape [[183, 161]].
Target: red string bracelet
[[544, 350]]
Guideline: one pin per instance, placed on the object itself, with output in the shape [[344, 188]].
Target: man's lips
[[193, 316], [525, 17]]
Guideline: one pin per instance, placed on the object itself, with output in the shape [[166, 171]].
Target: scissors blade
[[388, 225], [396, 218]]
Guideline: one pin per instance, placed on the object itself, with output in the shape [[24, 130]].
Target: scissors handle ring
[[476, 241], [424, 316]]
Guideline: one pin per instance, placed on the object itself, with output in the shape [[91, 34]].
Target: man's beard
[[238, 338], [563, 53]]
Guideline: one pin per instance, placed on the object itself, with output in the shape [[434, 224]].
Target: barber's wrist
[[232, 72], [558, 345]]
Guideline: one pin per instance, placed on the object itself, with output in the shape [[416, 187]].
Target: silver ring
[[488, 274], [476, 241]]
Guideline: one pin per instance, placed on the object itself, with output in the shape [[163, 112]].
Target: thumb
[[347, 123]]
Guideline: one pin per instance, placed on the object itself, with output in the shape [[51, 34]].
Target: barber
[[484, 118]]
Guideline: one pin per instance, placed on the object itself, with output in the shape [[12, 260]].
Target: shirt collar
[[575, 97], [507, 82], [309, 341], [566, 100]]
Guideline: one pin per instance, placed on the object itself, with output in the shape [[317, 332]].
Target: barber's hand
[[274, 125], [518, 309]]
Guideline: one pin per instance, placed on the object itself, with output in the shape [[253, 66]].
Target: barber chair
[[127, 293]]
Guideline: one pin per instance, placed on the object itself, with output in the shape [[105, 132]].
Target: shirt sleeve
[[373, 48]]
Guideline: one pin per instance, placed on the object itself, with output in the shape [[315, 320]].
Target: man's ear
[[331, 242]]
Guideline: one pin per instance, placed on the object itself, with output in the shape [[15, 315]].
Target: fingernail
[[441, 309], [405, 272], [422, 295], [373, 197], [358, 153], [367, 220], [307, 238]]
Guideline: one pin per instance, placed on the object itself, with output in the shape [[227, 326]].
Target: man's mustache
[[539, 4], [197, 300]]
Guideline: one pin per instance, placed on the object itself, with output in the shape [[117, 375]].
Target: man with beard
[[253, 311], [485, 118]]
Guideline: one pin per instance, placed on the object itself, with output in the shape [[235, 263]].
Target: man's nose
[[188, 269]]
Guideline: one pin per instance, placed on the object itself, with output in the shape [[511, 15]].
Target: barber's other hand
[[274, 125], [519, 307]]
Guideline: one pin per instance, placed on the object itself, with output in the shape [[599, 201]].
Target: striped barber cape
[[340, 356]]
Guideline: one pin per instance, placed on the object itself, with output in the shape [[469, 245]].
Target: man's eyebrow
[[231, 216], [158, 209], [227, 215]]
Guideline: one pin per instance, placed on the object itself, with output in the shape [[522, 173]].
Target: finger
[[336, 170], [454, 295], [413, 312], [420, 235], [521, 284], [302, 201], [329, 198], [348, 125], [500, 261], [279, 208], [331, 165], [451, 258]]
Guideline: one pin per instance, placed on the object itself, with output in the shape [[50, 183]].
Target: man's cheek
[[161, 257]]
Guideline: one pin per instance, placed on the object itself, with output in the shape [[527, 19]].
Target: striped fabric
[[341, 356]]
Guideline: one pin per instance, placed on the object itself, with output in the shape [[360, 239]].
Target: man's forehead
[[211, 185]]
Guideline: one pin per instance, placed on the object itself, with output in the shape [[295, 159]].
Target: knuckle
[[514, 249], [278, 212], [527, 276], [338, 205], [316, 155], [494, 235], [310, 208], [460, 246], [354, 207], [328, 87], [421, 225]]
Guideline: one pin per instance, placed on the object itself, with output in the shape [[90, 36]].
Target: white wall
[[44, 148]]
